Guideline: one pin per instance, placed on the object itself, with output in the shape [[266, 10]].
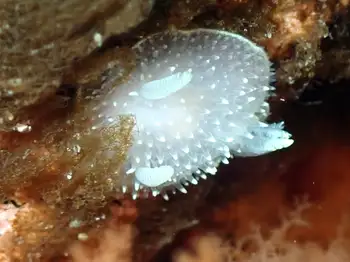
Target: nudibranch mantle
[[198, 98]]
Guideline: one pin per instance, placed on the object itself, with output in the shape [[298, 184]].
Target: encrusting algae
[[69, 180], [62, 170], [41, 39]]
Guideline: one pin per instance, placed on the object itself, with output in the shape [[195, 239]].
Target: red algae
[[325, 179], [295, 201]]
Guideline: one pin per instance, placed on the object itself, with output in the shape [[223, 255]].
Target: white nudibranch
[[198, 98]]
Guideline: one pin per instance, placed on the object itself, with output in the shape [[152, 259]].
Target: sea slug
[[198, 98]]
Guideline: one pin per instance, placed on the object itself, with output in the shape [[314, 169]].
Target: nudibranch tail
[[266, 138], [198, 97]]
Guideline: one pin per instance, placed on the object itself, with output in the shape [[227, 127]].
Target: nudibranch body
[[198, 98]]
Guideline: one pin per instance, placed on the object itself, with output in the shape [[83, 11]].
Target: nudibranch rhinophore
[[198, 98]]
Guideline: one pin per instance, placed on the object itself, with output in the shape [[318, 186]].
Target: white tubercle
[[153, 177], [166, 86]]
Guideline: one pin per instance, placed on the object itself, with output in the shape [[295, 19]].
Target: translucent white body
[[198, 97]]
